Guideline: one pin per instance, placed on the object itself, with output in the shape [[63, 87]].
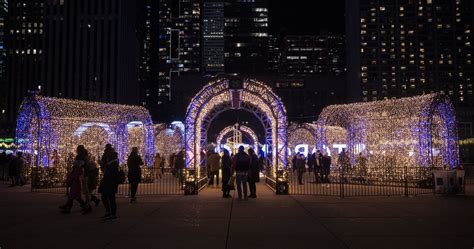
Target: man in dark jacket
[[134, 162], [109, 185], [179, 164], [300, 167], [16, 169], [254, 173], [326, 167], [241, 165]]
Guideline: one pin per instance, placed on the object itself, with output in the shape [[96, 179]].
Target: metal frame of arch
[[217, 97]]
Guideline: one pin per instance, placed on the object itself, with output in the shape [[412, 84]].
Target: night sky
[[306, 17]]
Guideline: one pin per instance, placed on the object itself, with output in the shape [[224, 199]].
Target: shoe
[[96, 201], [105, 216], [63, 207], [66, 211], [87, 210], [133, 200], [111, 217]]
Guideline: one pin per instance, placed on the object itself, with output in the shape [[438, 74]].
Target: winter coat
[[213, 162], [109, 183], [93, 178], [226, 163], [241, 162], [16, 167], [74, 180], [179, 161], [254, 173], [134, 162]]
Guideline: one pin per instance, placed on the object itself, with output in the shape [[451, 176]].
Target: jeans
[[253, 188], [300, 175], [109, 203], [211, 177], [133, 189], [241, 179]]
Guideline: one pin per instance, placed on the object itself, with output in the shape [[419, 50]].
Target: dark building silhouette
[[79, 49], [246, 36], [179, 46], [25, 51], [3, 60], [405, 48], [212, 36], [312, 54]]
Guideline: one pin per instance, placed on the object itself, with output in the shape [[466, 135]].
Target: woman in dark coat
[[109, 185], [254, 173], [226, 166], [134, 162]]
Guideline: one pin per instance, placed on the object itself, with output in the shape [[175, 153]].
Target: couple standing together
[[245, 167]]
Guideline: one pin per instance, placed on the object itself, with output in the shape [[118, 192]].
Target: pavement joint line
[[320, 223], [228, 224], [133, 225]]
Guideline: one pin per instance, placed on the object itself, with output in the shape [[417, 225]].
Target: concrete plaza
[[32, 220]]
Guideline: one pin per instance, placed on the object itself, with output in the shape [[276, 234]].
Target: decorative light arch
[[245, 129], [417, 131], [45, 124], [217, 97]]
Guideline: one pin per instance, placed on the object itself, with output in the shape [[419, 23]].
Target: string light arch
[[244, 129], [219, 96], [45, 124], [416, 131]]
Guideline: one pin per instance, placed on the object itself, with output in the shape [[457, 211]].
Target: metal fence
[[154, 182], [394, 181]]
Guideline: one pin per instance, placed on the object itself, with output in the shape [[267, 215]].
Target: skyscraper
[[90, 50], [406, 47], [212, 36], [311, 54], [3, 58], [80, 49], [246, 36], [25, 47], [179, 44]]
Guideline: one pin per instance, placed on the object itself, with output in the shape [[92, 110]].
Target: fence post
[[406, 180], [341, 182]]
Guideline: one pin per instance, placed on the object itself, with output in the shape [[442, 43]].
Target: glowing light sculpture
[[217, 97], [244, 129], [45, 124], [415, 131]]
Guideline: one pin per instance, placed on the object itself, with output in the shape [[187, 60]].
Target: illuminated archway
[[224, 94], [415, 131], [244, 129]]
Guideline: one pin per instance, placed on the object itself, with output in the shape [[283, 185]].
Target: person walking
[[318, 167], [254, 173], [300, 167], [213, 164], [134, 162], [109, 185], [226, 166], [92, 180], [82, 158], [241, 166], [74, 182]]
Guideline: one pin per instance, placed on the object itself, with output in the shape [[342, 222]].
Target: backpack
[[121, 177]]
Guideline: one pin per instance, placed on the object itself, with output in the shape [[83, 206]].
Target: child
[[74, 182]]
